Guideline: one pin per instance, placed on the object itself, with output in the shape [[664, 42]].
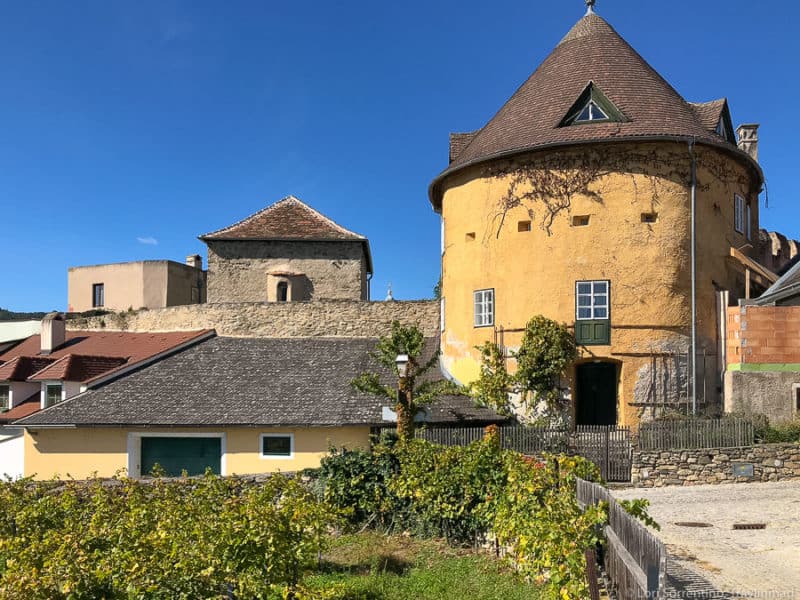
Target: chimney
[[748, 139], [54, 332], [195, 261]]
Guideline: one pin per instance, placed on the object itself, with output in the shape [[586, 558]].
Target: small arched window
[[283, 291]]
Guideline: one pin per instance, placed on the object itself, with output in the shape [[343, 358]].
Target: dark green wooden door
[[596, 391], [177, 454]]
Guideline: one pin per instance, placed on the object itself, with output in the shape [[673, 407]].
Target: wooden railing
[[696, 433], [635, 560]]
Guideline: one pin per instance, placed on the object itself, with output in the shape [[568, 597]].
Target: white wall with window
[[52, 393], [483, 301]]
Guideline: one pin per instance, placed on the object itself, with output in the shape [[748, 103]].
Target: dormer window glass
[[52, 394], [592, 112]]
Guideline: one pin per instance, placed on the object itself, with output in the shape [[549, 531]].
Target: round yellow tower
[[575, 202]]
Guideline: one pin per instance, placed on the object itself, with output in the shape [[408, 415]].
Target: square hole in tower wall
[[649, 217], [523, 226], [470, 237], [580, 220]]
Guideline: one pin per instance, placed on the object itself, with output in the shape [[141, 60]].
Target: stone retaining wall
[[325, 318], [770, 462]]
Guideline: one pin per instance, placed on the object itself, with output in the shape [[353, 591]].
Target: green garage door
[[177, 454]]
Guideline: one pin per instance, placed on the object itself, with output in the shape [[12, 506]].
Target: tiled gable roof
[[592, 52], [709, 113], [287, 219], [76, 367], [19, 368], [248, 382]]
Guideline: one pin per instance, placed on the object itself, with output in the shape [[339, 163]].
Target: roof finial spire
[[390, 296], [590, 7]]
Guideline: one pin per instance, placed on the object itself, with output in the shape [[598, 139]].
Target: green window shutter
[[596, 332]]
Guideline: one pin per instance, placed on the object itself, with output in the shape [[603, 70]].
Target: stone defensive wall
[[322, 318], [762, 462]]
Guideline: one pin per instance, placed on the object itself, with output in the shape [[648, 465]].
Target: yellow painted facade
[[648, 264], [104, 452]]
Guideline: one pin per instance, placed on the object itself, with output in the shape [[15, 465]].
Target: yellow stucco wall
[[83, 452], [648, 264]]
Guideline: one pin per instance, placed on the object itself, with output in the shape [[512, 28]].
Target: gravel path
[[745, 563]]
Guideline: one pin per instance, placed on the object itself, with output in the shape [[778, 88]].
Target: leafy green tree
[[412, 392], [547, 350]]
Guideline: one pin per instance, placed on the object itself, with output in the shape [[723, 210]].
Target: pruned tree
[[412, 392]]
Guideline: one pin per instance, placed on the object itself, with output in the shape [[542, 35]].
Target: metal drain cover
[[749, 525], [692, 524]]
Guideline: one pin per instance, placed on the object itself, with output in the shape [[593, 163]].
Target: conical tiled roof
[[287, 219], [592, 52]]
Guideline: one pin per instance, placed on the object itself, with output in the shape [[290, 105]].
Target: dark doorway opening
[[596, 394]]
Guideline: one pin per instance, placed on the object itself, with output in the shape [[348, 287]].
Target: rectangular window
[[738, 213], [592, 312], [98, 295], [591, 300], [5, 397], [277, 445], [484, 308], [748, 224], [52, 394]]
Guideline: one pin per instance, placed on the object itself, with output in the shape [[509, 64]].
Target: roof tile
[[287, 219]]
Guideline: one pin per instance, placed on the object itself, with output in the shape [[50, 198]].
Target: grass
[[372, 566]]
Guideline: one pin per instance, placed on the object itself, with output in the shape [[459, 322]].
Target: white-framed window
[[276, 445], [592, 300], [484, 308], [5, 397], [738, 213], [52, 394], [591, 112]]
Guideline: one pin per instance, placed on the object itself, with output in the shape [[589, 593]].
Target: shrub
[[167, 539]]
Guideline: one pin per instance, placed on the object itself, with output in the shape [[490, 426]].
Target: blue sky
[[129, 128]]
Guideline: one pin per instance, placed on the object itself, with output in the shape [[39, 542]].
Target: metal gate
[[607, 446]]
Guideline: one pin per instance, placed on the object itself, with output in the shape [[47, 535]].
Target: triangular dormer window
[[592, 106], [592, 112]]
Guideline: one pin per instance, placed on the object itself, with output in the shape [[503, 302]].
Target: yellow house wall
[[648, 264], [84, 452]]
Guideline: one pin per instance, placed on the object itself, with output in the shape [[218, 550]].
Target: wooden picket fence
[[696, 433], [526, 440], [635, 560]]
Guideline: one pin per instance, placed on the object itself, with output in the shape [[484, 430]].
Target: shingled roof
[[287, 219], [591, 53], [247, 382]]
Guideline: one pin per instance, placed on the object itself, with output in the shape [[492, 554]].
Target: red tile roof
[[20, 368], [592, 52], [287, 219], [24, 409], [110, 344], [76, 367], [709, 113]]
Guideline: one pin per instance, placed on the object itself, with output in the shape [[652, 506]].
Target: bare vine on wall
[[546, 185]]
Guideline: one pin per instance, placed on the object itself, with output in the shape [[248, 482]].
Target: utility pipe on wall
[[694, 274]]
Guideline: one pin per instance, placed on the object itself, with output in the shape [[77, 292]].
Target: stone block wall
[[330, 318], [771, 462], [238, 270]]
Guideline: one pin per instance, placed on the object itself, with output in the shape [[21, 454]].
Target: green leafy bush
[[766, 433], [466, 493], [179, 539]]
